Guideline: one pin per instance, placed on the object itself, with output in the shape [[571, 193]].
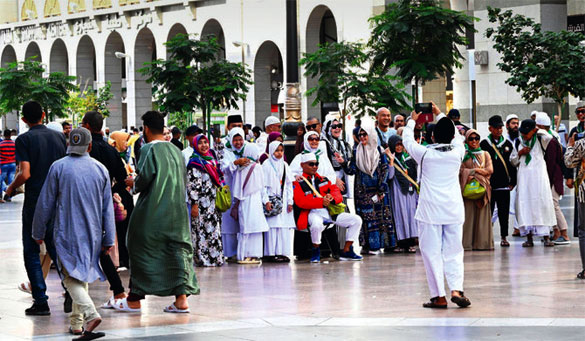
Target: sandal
[[504, 243], [25, 287], [433, 304], [411, 249], [173, 309], [581, 275], [398, 250], [516, 233], [528, 244], [76, 333], [109, 303], [90, 336], [549, 243], [122, 305], [461, 301]]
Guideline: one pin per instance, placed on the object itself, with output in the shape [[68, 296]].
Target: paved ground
[[377, 299]]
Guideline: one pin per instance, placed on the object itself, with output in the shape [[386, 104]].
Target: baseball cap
[[527, 126], [79, 140], [496, 121]]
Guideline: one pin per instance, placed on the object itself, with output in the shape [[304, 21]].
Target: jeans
[[502, 199], [7, 176], [31, 250]]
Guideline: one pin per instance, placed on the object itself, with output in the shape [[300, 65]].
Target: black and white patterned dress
[[205, 229]]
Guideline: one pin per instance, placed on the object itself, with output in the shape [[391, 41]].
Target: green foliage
[[419, 39], [342, 77], [24, 81], [549, 64], [193, 78], [79, 102]]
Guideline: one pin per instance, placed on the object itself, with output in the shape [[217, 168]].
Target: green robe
[[159, 237]]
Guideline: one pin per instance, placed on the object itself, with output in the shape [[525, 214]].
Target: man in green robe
[[159, 237]]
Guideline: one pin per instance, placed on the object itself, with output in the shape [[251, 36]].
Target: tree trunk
[[560, 106]]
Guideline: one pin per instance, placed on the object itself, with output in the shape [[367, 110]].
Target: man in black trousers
[[503, 179]]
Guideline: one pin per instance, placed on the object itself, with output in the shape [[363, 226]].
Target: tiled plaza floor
[[516, 294]]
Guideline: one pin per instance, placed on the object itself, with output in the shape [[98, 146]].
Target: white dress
[[534, 204]]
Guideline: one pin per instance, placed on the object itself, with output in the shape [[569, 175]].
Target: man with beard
[[512, 124]]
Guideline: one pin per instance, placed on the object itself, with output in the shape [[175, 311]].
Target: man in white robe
[[271, 124], [440, 213]]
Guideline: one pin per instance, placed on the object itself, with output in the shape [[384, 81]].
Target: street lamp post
[[242, 45]]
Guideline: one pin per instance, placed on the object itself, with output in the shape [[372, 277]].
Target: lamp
[[120, 55]]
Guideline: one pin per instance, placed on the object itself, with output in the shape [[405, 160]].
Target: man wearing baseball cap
[[503, 179], [88, 215]]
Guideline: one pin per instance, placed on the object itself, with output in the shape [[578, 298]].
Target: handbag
[[473, 190], [223, 198], [276, 200], [334, 209]]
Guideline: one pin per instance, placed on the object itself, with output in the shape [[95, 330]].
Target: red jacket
[[306, 200]]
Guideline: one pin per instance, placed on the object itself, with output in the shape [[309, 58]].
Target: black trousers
[[111, 273], [502, 199]]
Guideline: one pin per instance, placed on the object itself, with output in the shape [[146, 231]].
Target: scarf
[[231, 135], [407, 163], [271, 138], [470, 153], [308, 148], [499, 144], [121, 139], [368, 157], [205, 162], [336, 144], [529, 144]]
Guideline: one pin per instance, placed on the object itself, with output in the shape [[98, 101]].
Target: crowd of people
[[206, 201]]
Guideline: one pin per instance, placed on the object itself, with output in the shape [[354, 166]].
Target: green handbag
[[335, 209], [223, 198], [473, 190]]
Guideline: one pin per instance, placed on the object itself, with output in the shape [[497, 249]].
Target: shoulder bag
[[334, 209], [474, 190], [276, 200]]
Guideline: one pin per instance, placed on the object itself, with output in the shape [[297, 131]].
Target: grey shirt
[[77, 195]]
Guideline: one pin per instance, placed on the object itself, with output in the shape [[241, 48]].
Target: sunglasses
[[477, 138], [362, 134], [580, 111], [312, 126], [313, 139], [313, 164], [337, 126]]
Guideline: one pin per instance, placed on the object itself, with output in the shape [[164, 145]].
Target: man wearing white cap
[[315, 196], [512, 124], [271, 124], [556, 170]]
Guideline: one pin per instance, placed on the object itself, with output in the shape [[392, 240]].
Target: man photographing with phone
[[440, 212]]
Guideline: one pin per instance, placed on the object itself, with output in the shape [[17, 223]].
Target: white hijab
[[256, 180], [274, 169], [367, 157], [319, 151], [232, 134]]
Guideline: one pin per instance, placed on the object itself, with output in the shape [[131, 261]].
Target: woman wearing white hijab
[[278, 240], [371, 193], [313, 144], [232, 157], [247, 189]]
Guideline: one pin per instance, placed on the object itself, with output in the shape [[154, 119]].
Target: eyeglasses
[[362, 134], [312, 126], [580, 111], [313, 139], [337, 126], [476, 138], [313, 164]]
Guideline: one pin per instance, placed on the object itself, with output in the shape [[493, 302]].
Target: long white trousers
[[442, 251], [318, 218]]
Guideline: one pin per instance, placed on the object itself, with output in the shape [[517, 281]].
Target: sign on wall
[[576, 23]]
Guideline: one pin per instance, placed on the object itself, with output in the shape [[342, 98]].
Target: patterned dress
[[205, 229], [378, 229]]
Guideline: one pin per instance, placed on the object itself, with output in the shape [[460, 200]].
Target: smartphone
[[426, 110]]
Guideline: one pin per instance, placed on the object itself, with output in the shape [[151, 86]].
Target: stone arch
[[321, 29], [144, 52], [176, 29], [86, 63], [33, 50], [58, 59], [115, 73], [213, 28], [268, 79], [8, 56]]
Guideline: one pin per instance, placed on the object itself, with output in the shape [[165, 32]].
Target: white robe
[[325, 168], [534, 203]]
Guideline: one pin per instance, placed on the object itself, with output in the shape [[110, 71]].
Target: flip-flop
[[25, 287], [109, 303], [174, 310], [122, 305], [76, 333], [91, 336]]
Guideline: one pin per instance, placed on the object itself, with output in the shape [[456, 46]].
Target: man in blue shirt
[[383, 129]]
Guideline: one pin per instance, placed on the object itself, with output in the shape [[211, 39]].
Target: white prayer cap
[[542, 119], [270, 120], [55, 126], [511, 117], [533, 113], [308, 157]]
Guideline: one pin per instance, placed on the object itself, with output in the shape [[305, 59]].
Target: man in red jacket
[[314, 213]]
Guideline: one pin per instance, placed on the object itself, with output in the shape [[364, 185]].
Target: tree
[[193, 78], [23, 81], [419, 39], [342, 78], [82, 101], [549, 64]]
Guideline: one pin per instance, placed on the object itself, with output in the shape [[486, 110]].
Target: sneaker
[[350, 255], [562, 241], [38, 310], [316, 255], [373, 253]]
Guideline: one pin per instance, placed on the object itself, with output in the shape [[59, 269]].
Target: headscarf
[[121, 139], [407, 163], [231, 135], [271, 138], [337, 144], [274, 169], [318, 152], [367, 157], [256, 179], [469, 153], [205, 162]]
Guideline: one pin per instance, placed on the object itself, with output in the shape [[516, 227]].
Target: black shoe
[[461, 301], [38, 310], [7, 198], [68, 303]]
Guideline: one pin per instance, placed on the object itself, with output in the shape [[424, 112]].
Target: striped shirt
[[7, 152]]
